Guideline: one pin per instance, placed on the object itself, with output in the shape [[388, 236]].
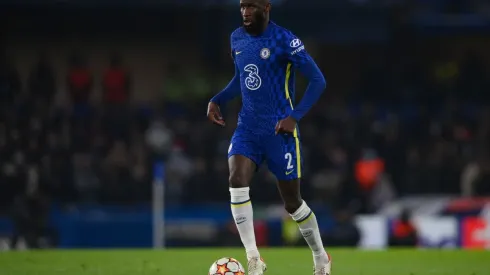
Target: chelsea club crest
[[265, 53]]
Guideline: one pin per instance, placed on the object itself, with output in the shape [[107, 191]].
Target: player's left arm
[[301, 60]]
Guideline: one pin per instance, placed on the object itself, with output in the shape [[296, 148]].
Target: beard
[[256, 24]]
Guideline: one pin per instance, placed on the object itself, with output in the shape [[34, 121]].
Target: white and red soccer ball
[[226, 266]]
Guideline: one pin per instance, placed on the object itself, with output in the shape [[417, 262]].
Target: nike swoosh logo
[[241, 222], [238, 53], [289, 172]]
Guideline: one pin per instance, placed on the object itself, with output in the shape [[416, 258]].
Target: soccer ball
[[226, 266]]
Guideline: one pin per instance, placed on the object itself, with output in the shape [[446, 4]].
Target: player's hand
[[286, 126], [214, 114]]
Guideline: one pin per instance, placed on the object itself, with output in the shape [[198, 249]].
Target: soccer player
[[266, 56]]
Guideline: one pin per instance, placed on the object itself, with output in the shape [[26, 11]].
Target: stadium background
[[404, 124]]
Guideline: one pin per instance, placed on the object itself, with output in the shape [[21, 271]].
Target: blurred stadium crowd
[[411, 121]]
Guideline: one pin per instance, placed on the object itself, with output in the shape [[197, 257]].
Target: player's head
[[255, 13]]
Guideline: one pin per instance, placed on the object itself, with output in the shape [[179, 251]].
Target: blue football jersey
[[266, 65]]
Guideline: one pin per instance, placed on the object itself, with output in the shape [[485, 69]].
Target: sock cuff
[[239, 191], [240, 195], [302, 213]]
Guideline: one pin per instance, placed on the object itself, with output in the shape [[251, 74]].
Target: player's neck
[[266, 24], [263, 27]]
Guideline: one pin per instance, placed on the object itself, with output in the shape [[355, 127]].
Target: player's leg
[[307, 223], [284, 160], [241, 173], [244, 157]]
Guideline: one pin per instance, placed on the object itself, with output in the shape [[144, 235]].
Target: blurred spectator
[[382, 193], [116, 176], [87, 182], [42, 84], [368, 169], [469, 176], [10, 84], [475, 180], [174, 86], [116, 83], [472, 78], [344, 233], [404, 232], [80, 84], [141, 172], [30, 212], [179, 168], [159, 137], [445, 73], [368, 172], [13, 168], [328, 183]]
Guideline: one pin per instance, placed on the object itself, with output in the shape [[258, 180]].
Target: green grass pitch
[[282, 261]]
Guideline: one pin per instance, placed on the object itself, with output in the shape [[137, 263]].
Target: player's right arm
[[231, 91]]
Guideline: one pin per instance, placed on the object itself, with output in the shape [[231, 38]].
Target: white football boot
[[256, 266], [324, 269]]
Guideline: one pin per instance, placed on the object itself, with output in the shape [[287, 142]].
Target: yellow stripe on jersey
[[298, 156], [295, 134], [286, 90], [286, 85]]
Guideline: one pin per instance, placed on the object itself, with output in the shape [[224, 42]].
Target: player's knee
[[238, 181], [292, 205]]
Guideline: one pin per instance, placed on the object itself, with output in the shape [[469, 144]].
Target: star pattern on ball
[[222, 269]]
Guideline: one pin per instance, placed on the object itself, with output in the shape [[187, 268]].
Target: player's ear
[[268, 7]]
